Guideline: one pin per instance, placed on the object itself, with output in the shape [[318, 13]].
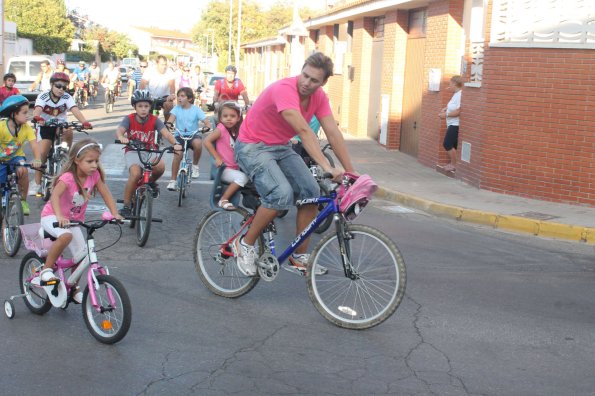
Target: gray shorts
[[279, 174]]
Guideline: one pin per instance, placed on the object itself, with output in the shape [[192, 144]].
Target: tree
[[256, 23], [43, 21], [111, 44]]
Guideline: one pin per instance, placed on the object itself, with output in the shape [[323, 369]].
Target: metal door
[[412, 95]]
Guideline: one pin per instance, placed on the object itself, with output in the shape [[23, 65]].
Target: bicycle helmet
[[141, 95], [12, 104], [10, 75], [231, 68], [59, 76]]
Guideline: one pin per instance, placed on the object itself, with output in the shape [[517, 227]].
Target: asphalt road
[[485, 313]]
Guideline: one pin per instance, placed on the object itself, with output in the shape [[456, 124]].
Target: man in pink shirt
[[280, 175]]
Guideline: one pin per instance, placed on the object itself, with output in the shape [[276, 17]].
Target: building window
[[316, 36], [378, 27], [474, 26], [543, 24], [417, 23]]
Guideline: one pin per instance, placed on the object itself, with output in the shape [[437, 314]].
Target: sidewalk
[[404, 180]]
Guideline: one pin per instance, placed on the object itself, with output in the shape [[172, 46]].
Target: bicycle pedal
[[52, 282]]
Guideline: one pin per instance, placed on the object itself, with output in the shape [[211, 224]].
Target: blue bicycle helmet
[[12, 104]]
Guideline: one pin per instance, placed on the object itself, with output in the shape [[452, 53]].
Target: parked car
[[124, 73], [206, 97], [26, 69]]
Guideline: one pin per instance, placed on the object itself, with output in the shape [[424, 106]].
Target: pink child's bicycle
[[106, 305]]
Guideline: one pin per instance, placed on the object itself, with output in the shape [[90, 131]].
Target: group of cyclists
[[256, 147]]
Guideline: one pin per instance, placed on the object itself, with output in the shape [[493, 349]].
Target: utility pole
[[239, 33], [230, 32]]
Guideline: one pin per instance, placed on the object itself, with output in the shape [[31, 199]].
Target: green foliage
[[43, 21], [110, 44], [257, 23], [75, 56]]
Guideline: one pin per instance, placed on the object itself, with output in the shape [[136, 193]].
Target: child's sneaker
[[77, 296], [25, 207], [195, 171], [34, 189], [125, 212], [298, 263], [47, 275], [171, 186]]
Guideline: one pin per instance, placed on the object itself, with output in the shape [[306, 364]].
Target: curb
[[517, 224]]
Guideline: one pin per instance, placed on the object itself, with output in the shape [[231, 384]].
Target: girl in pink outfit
[[225, 135], [81, 176]]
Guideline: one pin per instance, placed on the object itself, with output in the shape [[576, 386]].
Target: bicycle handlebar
[[136, 145], [64, 125]]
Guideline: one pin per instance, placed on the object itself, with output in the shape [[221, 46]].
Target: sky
[[166, 14]]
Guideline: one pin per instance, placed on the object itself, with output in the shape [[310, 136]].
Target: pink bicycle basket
[[33, 240], [356, 196]]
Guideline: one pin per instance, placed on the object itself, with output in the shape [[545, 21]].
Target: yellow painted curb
[[506, 222]]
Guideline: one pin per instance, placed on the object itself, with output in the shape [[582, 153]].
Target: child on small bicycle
[[225, 135], [54, 104], [187, 117], [141, 126], [81, 176], [14, 132]]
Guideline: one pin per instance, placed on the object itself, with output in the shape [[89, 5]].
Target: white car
[[26, 69], [206, 97]]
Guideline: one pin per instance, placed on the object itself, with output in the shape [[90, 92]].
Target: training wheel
[[9, 309]]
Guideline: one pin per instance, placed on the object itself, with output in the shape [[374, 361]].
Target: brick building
[[527, 121]]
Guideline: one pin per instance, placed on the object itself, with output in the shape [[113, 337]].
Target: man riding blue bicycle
[[279, 174]]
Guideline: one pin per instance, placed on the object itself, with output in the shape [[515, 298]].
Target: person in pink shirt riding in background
[[80, 178], [225, 135], [279, 173]]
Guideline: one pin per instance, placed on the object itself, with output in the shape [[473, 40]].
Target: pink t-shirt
[[264, 122], [72, 204], [224, 147]]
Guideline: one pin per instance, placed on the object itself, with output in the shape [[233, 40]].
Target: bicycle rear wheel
[[109, 102], [36, 300], [112, 323], [145, 216], [378, 284], [11, 234], [220, 274]]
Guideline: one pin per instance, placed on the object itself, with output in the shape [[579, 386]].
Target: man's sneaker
[[245, 256], [171, 186], [125, 212], [25, 207], [299, 262], [34, 189], [155, 188], [195, 171]]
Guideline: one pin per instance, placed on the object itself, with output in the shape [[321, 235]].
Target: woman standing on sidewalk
[[451, 114]]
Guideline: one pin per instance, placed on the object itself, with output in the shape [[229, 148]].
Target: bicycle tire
[[11, 234], [181, 186], [37, 300], [223, 279], [112, 323], [145, 216], [363, 302], [329, 158], [134, 205], [46, 179], [321, 229]]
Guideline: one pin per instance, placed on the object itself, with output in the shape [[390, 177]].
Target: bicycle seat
[[47, 235], [219, 188]]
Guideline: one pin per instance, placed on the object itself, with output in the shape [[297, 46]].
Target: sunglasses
[[60, 86], [187, 70], [143, 66]]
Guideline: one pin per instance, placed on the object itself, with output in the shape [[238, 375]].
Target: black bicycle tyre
[[329, 158], [145, 216], [181, 186], [44, 305], [245, 284], [88, 311], [340, 316], [11, 233], [46, 179], [321, 229]]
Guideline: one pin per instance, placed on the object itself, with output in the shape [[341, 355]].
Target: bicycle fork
[[343, 237]]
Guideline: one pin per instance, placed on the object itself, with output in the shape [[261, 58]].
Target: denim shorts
[[279, 174], [4, 167]]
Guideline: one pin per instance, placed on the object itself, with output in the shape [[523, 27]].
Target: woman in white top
[[451, 114]]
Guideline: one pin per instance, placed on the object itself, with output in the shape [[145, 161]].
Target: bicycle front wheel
[[374, 291], [11, 234], [145, 216], [181, 186], [110, 321], [36, 298], [220, 273]]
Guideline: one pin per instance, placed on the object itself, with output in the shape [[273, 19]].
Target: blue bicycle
[[366, 276]]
